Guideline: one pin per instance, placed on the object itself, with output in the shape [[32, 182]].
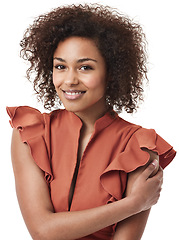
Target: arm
[[133, 227], [37, 210]]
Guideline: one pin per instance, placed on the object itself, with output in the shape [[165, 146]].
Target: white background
[[160, 21]]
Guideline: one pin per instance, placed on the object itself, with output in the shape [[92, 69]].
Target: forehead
[[74, 47]]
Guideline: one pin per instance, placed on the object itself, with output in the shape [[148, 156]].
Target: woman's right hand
[[146, 189]]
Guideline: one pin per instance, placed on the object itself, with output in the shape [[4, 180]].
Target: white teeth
[[73, 93]]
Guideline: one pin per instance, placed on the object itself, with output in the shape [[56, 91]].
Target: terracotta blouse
[[113, 151]]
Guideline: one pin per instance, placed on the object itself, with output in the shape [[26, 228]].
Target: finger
[[149, 170], [159, 173]]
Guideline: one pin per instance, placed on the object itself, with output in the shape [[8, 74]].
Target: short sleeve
[[34, 130], [114, 177]]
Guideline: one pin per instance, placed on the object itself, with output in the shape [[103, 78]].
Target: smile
[[73, 94]]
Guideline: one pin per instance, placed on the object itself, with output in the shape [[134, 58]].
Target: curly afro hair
[[121, 42]]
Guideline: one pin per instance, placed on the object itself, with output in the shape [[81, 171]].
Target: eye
[[86, 68], [60, 67]]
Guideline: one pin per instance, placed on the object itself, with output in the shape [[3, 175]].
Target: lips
[[73, 94]]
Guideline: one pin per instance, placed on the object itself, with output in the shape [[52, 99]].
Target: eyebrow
[[78, 61]]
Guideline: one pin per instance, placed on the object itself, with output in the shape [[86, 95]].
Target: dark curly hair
[[121, 42]]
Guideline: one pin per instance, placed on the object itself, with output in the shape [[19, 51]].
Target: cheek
[[56, 81], [95, 83]]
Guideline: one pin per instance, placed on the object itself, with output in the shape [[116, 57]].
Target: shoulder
[[31, 138], [131, 134], [27, 115], [144, 137], [141, 144]]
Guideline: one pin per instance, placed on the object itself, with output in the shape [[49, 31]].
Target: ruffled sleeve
[[34, 130], [113, 179]]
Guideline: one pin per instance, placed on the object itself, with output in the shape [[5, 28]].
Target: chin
[[83, 105], [77, 108], [73, 108]]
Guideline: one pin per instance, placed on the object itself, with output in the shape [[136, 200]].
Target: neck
[[89, 116]]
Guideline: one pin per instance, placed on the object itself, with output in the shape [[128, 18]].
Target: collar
[[100, 124]]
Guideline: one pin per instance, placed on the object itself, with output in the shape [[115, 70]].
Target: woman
[[84, 172]]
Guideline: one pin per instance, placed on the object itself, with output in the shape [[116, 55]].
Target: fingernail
[[155, 163]]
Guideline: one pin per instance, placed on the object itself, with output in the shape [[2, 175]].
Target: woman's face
[[79, 75]]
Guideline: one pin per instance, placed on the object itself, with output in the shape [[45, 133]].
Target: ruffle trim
[[113, 179], [32, 128]]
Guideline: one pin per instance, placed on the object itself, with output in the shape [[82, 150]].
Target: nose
[[71, 78]]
